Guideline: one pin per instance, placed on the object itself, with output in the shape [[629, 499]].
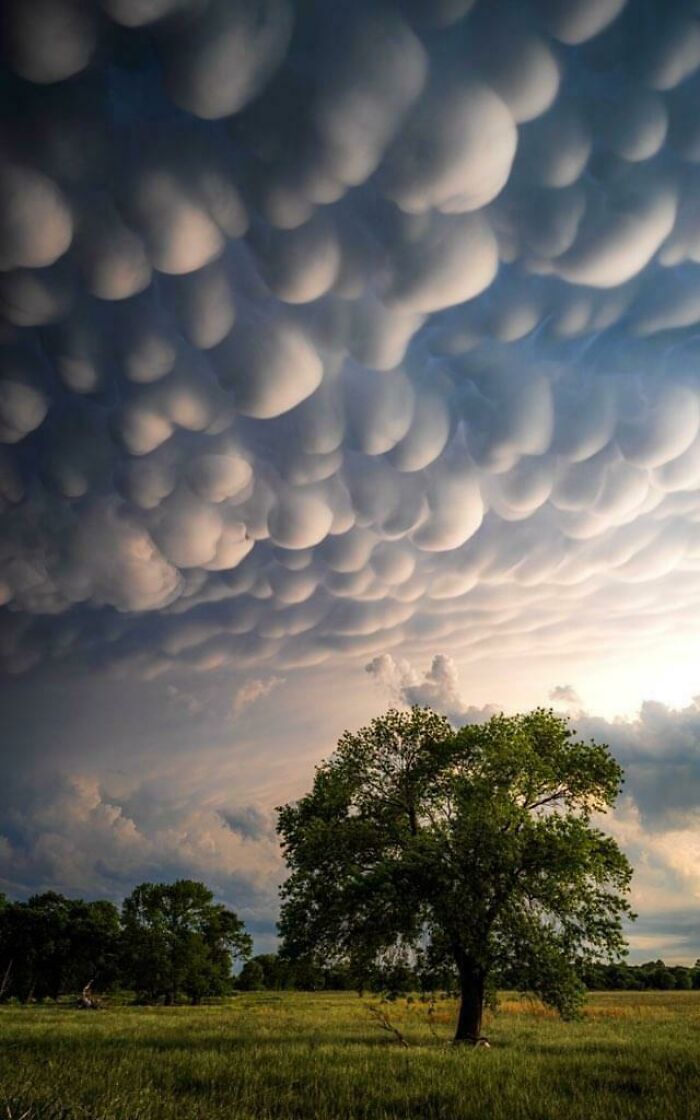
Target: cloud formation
[[660, 751], [253, 690], [69, 833], [437, 687], [331, 328], [566, 695]]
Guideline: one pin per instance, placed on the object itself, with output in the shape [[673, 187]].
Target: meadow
[[324, 1056]]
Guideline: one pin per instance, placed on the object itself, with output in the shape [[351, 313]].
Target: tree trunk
[[471, 1007], [5, 980]]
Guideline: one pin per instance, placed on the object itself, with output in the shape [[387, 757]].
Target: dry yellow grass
[[601, 1006]]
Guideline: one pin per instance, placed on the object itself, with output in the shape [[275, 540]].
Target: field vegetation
[[326, 1056]]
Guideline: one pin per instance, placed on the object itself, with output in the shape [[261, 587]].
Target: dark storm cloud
[[248, 821], [328, 327], [675, 937], [660, 753]]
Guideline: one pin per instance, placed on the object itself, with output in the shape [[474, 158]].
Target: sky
[[350, 357]]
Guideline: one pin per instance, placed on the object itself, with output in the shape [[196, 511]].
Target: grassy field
[[305, 1056]]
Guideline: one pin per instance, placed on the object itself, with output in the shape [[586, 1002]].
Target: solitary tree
[[477, 844]]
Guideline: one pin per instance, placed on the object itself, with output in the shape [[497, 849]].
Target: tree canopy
[[177, 939], [51, 944], [170, 939], [475, 846]]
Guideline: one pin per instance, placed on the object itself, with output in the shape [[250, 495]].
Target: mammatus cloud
[[331, 328], [253, 690]]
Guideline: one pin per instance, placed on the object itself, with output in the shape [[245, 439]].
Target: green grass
[[315, 1057]]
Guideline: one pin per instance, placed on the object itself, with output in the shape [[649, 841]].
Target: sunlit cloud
[[437, 687], [254, 690]]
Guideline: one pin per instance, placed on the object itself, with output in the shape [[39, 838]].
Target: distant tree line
[[651, 976], [170, 942], [167, 942], [271, 971]]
